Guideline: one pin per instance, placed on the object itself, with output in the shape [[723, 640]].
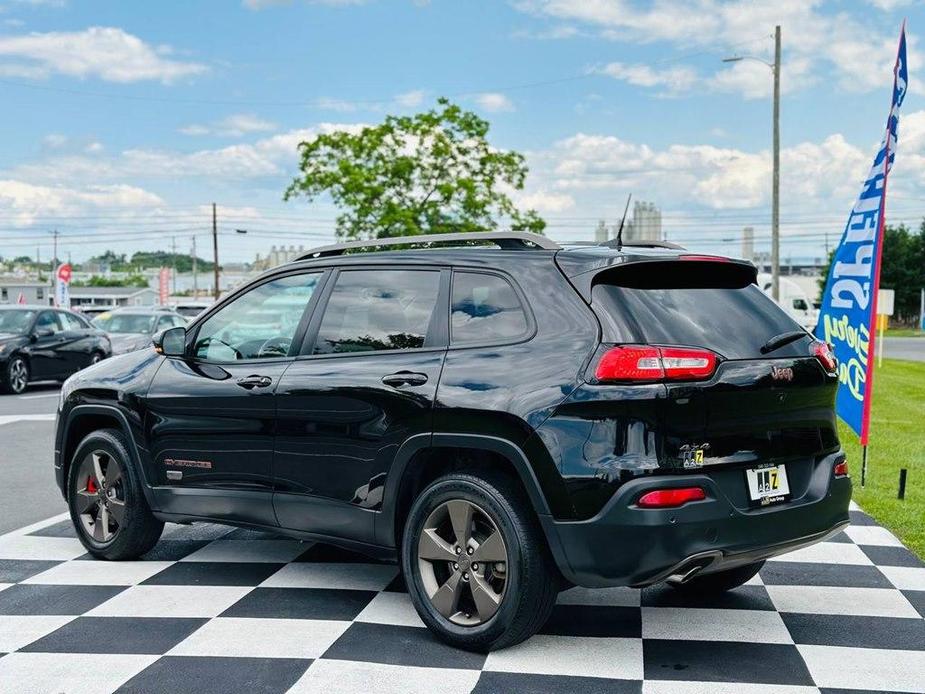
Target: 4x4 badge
[[692, 454]]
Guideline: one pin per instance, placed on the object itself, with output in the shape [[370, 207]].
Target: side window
[[259, 324], [372, 310], [47, 320], [485, 309], [71, 322]]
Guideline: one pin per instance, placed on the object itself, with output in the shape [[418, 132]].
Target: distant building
[[646, 224], [32, 292], [277, 256], [600, 234], [748, 243], [112, 296]]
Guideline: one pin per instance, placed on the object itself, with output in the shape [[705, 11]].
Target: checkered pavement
[[217, 609]]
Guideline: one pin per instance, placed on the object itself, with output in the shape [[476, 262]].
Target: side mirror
[[171, 342], [43, 332]]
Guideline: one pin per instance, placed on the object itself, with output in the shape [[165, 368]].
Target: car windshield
[[142, 323], [15, 321]]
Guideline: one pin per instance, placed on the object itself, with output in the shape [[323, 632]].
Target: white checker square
[[42, 673], [38, 547], [702, 624], [171, 601], [905, 577], [866, 602], [348, 677], [827, 553], [865, 668], [872, 535], [391, 608], [269, 551], [17, 631], [262, 638], [99, 573], [616, 658], [332, 575]]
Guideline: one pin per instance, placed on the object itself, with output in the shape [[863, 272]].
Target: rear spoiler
[[664, 272]]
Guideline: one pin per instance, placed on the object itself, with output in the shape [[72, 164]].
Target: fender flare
[[115, 412], [385, 522]]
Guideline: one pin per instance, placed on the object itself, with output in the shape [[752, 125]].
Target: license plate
[[767, 485]]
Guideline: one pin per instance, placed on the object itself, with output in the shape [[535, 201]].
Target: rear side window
[[373, 310], [485, 309], [666, 304]]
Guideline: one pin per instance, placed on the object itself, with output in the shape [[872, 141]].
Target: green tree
[[433, 172]]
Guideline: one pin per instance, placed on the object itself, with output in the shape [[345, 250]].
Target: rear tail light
[[823, 352], [647, 363], [841, 468], [671, 498], [705, 258]]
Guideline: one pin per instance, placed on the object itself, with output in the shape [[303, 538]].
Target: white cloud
[[494, 102], [411, 99], [237, 125], [543, 201], [677, 78], [275, 155], [108, 53], [327, 103], [860, 55], [94, 148], [54, 140], [24, 202]]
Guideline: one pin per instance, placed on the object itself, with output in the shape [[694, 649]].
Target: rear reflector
[[823, 352], [841, 468], [647, 363], [671, 498]]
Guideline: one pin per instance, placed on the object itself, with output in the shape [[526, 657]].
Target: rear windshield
[[722, 311]]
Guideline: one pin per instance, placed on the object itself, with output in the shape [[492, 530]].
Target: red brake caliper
[[91, 487]]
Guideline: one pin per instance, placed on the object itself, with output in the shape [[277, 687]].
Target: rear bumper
[[627, 545]]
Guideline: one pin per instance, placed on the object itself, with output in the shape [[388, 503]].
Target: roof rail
[[508, 240]]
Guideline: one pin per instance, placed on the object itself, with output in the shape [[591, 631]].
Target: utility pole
[[173, 262], [775, 182], [54, 259], [195, 272], [215, 249]]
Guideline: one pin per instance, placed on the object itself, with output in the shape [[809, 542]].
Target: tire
[[15, 376], [719, 582], [130, 529], [95, 358], [528, 579]]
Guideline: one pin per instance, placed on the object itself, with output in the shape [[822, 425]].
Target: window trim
[[192, 332], [526, 336], [438, 323]]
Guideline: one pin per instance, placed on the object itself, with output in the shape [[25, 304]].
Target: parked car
[[38, 343], [191, 308], [131, 329], [504, 422]]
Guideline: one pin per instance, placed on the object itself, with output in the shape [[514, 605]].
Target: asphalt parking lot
[[216, 609]]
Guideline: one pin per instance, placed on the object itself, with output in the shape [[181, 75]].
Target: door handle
[[405, 378], [254, 381]]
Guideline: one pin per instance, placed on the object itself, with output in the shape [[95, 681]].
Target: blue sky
[[122, 122]]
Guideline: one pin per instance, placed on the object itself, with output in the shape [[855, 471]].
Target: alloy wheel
[[19, 376], [463, 562], [100, 498], [95, 359]]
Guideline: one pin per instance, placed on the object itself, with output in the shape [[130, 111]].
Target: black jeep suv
[[505, 421]]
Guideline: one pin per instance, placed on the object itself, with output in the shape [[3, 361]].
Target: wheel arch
[[422, 458], [82, 421]]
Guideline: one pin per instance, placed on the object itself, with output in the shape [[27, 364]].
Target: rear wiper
[[779, 341]]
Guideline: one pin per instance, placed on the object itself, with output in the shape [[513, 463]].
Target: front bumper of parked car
[[632, 546]]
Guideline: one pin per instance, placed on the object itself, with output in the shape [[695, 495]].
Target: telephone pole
[[54, 259], [775, 183], [195, 272], [173, 262], [215, 249]]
